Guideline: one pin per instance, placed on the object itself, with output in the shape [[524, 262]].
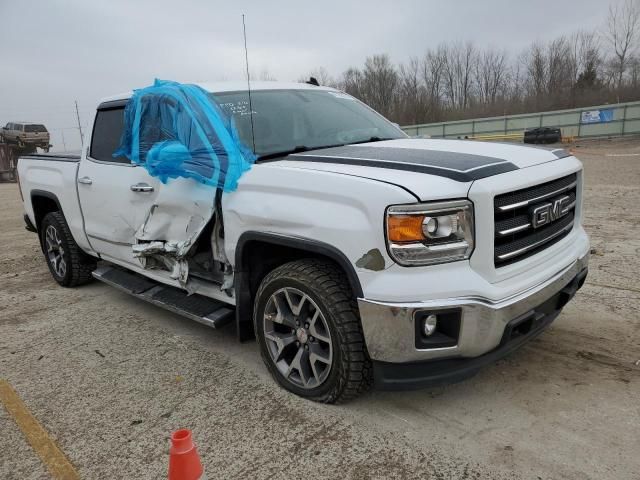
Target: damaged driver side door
[[133, 218]]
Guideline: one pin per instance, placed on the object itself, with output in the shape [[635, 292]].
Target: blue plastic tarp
[[177, 130]]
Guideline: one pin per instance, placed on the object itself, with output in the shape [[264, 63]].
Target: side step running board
[[196, 307]]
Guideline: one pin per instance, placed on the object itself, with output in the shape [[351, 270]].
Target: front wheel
[[68, 265], [308, 327]]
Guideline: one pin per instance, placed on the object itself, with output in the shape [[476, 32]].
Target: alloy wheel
[[298, 338], [55, 251]]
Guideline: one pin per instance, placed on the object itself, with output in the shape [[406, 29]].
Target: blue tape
[[176, 130]]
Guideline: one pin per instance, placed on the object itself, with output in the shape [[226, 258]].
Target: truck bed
[[51, 177], [61, 157]]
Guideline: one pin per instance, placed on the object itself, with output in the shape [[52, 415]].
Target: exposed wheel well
[[258, 254], [43, 204]]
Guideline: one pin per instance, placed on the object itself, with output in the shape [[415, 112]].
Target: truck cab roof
[[235, 86]]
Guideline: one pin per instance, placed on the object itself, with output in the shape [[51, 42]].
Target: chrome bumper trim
[[389, 328]]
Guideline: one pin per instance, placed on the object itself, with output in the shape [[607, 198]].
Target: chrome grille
[[515, 235]]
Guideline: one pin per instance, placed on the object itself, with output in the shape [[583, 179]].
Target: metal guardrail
[[625, 120], [499, 136]]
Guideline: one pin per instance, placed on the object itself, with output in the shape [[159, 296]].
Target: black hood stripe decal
[[462, 167], [458, 175]]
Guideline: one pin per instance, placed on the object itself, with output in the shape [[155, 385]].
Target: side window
[[106, 135]]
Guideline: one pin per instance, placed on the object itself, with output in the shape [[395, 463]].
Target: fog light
[[429, 325]]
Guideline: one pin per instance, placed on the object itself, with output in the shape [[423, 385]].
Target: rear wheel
[[68, 265], [309, 331]]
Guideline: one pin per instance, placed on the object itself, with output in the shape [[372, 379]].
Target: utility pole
[[64, 144], [79, 125]]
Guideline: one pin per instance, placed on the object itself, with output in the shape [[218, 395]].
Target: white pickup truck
[[355, 255]]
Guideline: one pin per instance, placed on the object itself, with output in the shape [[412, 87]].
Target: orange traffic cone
[[184, 461]]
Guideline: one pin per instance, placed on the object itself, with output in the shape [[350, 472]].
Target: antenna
[[246, 59], [79, 124]]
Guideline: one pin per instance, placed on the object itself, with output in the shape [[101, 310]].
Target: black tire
[[77, 264], [349, 373]]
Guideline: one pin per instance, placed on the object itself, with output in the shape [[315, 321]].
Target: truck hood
[[406, 162]]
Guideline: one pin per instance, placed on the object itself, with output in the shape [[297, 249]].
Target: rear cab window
[[35, 128]]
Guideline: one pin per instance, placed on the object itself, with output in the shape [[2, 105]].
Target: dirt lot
[[110, 377]]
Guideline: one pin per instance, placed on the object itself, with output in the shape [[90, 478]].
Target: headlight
[[430, 233]]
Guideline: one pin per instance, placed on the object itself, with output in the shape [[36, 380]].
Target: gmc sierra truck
[[354, 254]]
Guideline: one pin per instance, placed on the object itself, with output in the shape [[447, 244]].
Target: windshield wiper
[[298, 149], [305, 148], [371, 140], [284, 153]]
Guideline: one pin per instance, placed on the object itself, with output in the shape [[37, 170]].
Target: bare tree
[[634, 72], [412, 93], [458, 74], [353, 83], [380, 81], [433, 65], [516, 83], [536, 70], [559, 66], [623, 33], [491, 71], [585, 53]]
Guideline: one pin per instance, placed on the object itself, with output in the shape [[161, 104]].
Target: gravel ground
[[110, 377]]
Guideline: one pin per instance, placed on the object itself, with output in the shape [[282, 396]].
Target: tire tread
[[81, 264], [329, 282]]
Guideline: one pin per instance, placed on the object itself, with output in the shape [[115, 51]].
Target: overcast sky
[[56, 51]]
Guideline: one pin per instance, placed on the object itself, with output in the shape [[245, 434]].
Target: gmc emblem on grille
[[551, 211]]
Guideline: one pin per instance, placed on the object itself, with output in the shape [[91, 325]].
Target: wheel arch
[[258, 253], [43, 202]]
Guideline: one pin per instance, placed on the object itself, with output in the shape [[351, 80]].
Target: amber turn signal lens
[[405, 228]]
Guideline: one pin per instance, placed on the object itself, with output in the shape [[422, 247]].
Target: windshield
[[286, 120]]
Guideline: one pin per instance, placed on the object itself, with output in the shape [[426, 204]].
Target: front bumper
[[390, 329]]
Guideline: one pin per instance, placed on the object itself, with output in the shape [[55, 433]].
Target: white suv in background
[[23, 134]]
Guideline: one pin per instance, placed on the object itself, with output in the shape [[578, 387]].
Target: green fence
[[599, 121]]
